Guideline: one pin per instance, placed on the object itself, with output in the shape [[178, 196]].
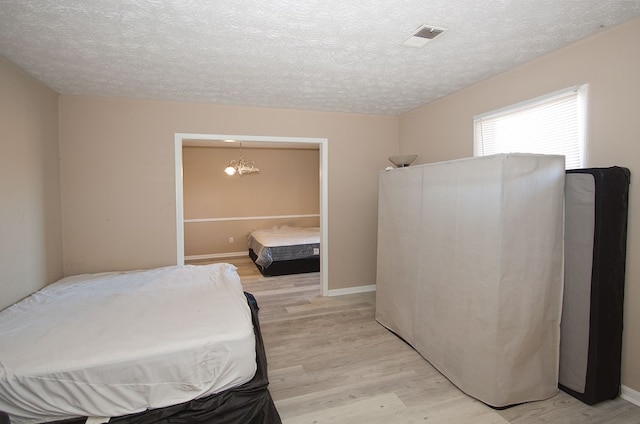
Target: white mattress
[[287, 236], [118, 343]]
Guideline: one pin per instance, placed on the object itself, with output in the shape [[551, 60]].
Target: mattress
[[249, 403], [119, 343], [284, 243], [596, 203]]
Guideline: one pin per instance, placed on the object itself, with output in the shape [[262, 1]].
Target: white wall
[[30, 217]]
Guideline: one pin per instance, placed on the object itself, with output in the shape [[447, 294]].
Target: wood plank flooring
[[331, 362]]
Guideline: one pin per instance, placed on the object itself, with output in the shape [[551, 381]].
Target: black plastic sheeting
[[250, 403]]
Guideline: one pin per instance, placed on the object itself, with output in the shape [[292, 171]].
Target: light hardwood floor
[[329, 361]]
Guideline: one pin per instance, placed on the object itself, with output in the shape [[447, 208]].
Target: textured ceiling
[[329, 55]]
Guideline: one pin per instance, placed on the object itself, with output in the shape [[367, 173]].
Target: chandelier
[[241, 166]]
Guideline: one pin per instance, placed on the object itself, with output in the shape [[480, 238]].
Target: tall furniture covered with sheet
[[470, 270], [596, 202]]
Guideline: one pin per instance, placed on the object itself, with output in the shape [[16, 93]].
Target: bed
[[173, 344], [285, 250]]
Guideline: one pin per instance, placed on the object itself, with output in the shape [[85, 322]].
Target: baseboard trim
[[630, 395], [352, 290], [216, 256]]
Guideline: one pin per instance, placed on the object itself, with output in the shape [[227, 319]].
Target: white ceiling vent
[[423, 35]]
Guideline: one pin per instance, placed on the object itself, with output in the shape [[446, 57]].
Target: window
[[552, 124]]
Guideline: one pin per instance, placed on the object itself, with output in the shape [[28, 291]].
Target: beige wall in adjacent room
[[118, 182], [610, 63], [288, 184], [30, 217]]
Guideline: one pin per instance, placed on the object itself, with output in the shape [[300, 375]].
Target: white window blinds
[[552, 124]]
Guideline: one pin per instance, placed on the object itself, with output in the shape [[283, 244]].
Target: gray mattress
[[285, 243]]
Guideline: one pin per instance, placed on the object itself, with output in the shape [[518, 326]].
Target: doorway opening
[[263, 141]]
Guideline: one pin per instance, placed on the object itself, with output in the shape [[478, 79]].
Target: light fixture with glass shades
[[241, 166]]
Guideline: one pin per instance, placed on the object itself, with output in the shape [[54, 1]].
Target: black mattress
[[596, 203], [250, 403]]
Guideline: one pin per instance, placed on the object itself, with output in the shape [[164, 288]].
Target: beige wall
[[610, 64], [117, 178], [30, 217], [288, 184]]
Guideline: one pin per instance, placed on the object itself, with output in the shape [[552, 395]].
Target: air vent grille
[[428, 32], [423, 35]]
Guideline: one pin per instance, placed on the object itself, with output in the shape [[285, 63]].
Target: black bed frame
[[292, 266], [250, 403]]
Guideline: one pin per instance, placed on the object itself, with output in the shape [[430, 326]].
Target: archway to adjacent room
[[264, 141]]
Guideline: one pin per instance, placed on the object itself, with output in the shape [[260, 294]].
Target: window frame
[[581, 95]]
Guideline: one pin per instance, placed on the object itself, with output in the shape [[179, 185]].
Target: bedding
[[285, 250], [112, 344]]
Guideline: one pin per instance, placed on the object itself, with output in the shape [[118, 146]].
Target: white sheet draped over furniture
[[470, 270], [117, 343]]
